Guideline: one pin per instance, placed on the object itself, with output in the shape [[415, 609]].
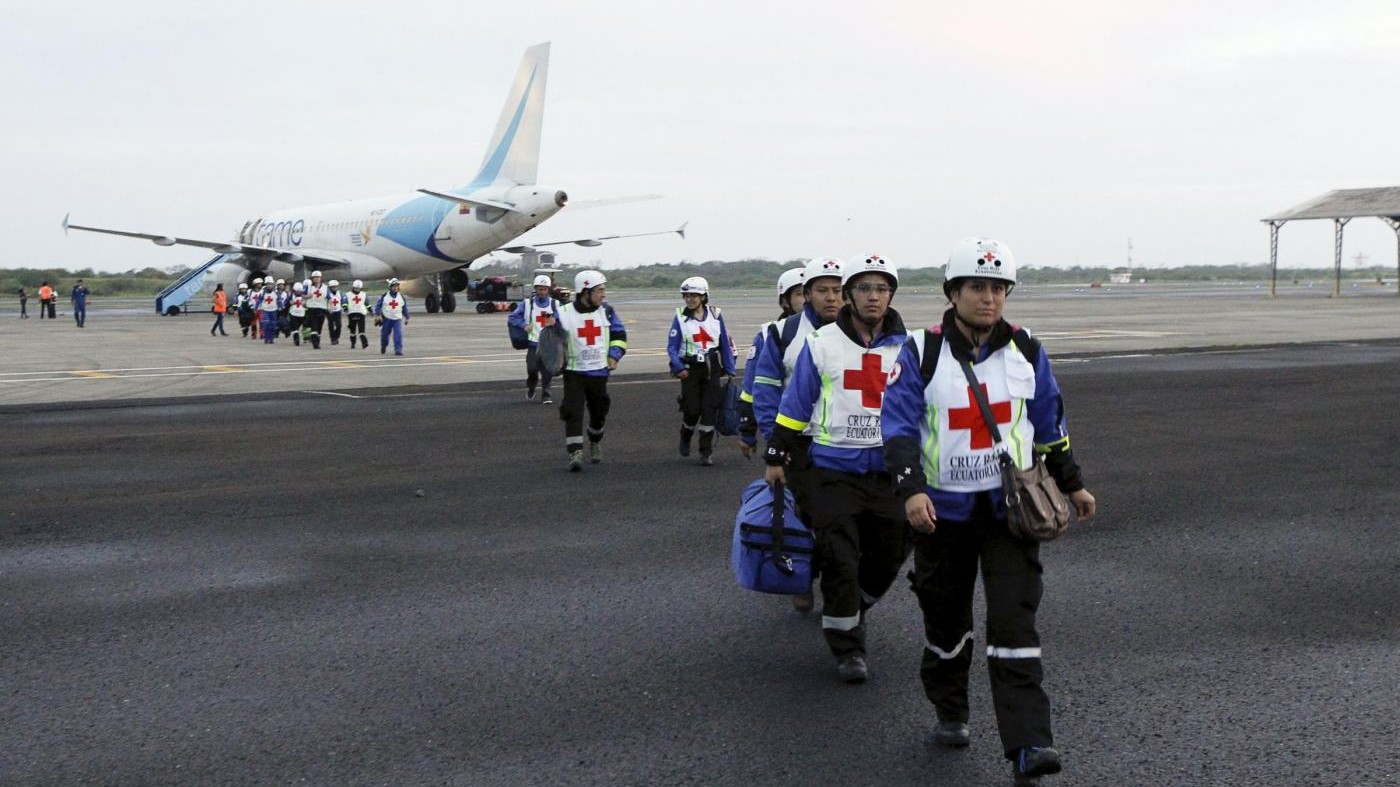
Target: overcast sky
[[777, 129]]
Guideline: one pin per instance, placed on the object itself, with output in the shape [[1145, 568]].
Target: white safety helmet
[[789, 279], [392, 281], [695, 285], [979, 258], [818, 267], [306, 284], [870, 263], [586, 280], [543, 281], [257, 281], [357, 284], [315, 274], [242, 285], [332, 283], [297, 287], [281, 281]]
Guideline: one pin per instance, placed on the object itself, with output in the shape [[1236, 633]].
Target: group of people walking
[[879, 434], [302, 311], [48, 302]]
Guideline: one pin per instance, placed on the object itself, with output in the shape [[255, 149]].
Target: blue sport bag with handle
[[728, 421], [772, 549]]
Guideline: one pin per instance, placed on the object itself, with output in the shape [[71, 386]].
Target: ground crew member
[[597, 341], [837, 387], [948, 477], [243, 305], [822, 300], [254, 294], [219, 307], [269, 305], [701, 352], [531, 316], [357, 306], [790, 301], [296, 312], [391, 315], [23, 304], [335, 305], [78, 299], [46, 299], [316, 304]]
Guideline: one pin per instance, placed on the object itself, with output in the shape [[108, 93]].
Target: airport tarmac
[[408, 588], [125, 353]]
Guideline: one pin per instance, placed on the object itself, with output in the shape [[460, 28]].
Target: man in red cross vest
[[530, 317], [839, 381], [701, 354], [947, 458], [391, 315], [596, 341], [357, 307]]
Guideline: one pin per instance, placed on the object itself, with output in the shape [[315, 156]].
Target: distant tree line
[[739, 274]]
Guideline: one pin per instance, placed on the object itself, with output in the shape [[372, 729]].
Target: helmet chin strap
[[973, 329]]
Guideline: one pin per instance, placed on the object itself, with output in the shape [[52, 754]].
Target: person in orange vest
[[220, 308], [46, 298]]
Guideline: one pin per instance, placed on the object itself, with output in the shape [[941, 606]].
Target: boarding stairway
[[172, 299]]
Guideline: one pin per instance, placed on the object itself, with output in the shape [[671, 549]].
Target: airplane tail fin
[[513, 157]]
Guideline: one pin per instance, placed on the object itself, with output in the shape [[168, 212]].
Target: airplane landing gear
[[449, 303], [430, 303]]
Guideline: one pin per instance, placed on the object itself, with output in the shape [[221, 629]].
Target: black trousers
[[700, 397], [944, 576], [315, 320], [357, 325], [333, 323], [534, 370], [861, 545], [580, 391]]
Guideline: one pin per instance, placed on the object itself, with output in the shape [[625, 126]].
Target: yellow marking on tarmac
[[344, 364], [453, 359], [91, 374], [220, 369]]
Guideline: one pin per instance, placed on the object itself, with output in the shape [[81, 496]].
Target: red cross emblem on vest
[[394, 303], [868, 379], [589, 332], [970, 417], [268, 300], [543, 318], [703, 338], [355, 300], [316, 293], [296, 302]]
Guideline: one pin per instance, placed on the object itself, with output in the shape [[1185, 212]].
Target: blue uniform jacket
[[770, 376], [379, 305], [675, 344], [517, 315], [903, 409], [805, 388]]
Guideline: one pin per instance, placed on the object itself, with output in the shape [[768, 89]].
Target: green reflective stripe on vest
[[823, 433], [931, 448]]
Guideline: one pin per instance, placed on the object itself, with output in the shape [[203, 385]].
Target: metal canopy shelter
[[1341, 206]]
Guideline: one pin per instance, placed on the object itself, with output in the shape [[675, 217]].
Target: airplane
[[427, 239]]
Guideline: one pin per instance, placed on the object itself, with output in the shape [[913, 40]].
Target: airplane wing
[[598, 241], [221, 247]]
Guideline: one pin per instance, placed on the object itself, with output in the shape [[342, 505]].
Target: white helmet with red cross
[[817, 267], [589, 279], [871, 263], [979, 258]]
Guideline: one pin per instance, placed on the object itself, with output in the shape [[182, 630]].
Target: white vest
[[267, 300], [316, 296], [847, 413], [298, 306], [804, 327], [589, 335], [699, 336], [393, 306], [532, 313], [357, 302], [959, 456]]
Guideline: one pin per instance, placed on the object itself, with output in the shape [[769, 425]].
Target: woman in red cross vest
[[837, 387], [391, 315], [946, 461], [701, 353]]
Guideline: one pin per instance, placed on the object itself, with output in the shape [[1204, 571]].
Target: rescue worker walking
[[948, 477], [219, 307], [597, 340], [531, 316], [839, 381], [270, 306], [316, 302], [701, 352], [822, 301], [78, 299], [284, 302], [357, 306], [296, 313], [243, 305], [790, 301], [46, 298], [254, 297], [391, 315], [335, 305]]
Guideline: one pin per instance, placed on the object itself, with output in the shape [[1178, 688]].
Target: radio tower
[[1130, 255]]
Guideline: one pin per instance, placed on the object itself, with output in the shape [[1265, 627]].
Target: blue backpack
[[772, 549], [728, 423]]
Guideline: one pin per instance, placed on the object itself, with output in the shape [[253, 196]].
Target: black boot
[[707, 446], [685, 440]]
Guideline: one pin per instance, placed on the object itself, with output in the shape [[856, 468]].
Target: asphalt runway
[[235, 590]]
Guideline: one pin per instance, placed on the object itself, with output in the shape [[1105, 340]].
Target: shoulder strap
[[1026, 343], [790, 326], [933, 347]]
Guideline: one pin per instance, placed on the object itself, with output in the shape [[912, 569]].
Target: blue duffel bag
[[772, 549], [728, 422]]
